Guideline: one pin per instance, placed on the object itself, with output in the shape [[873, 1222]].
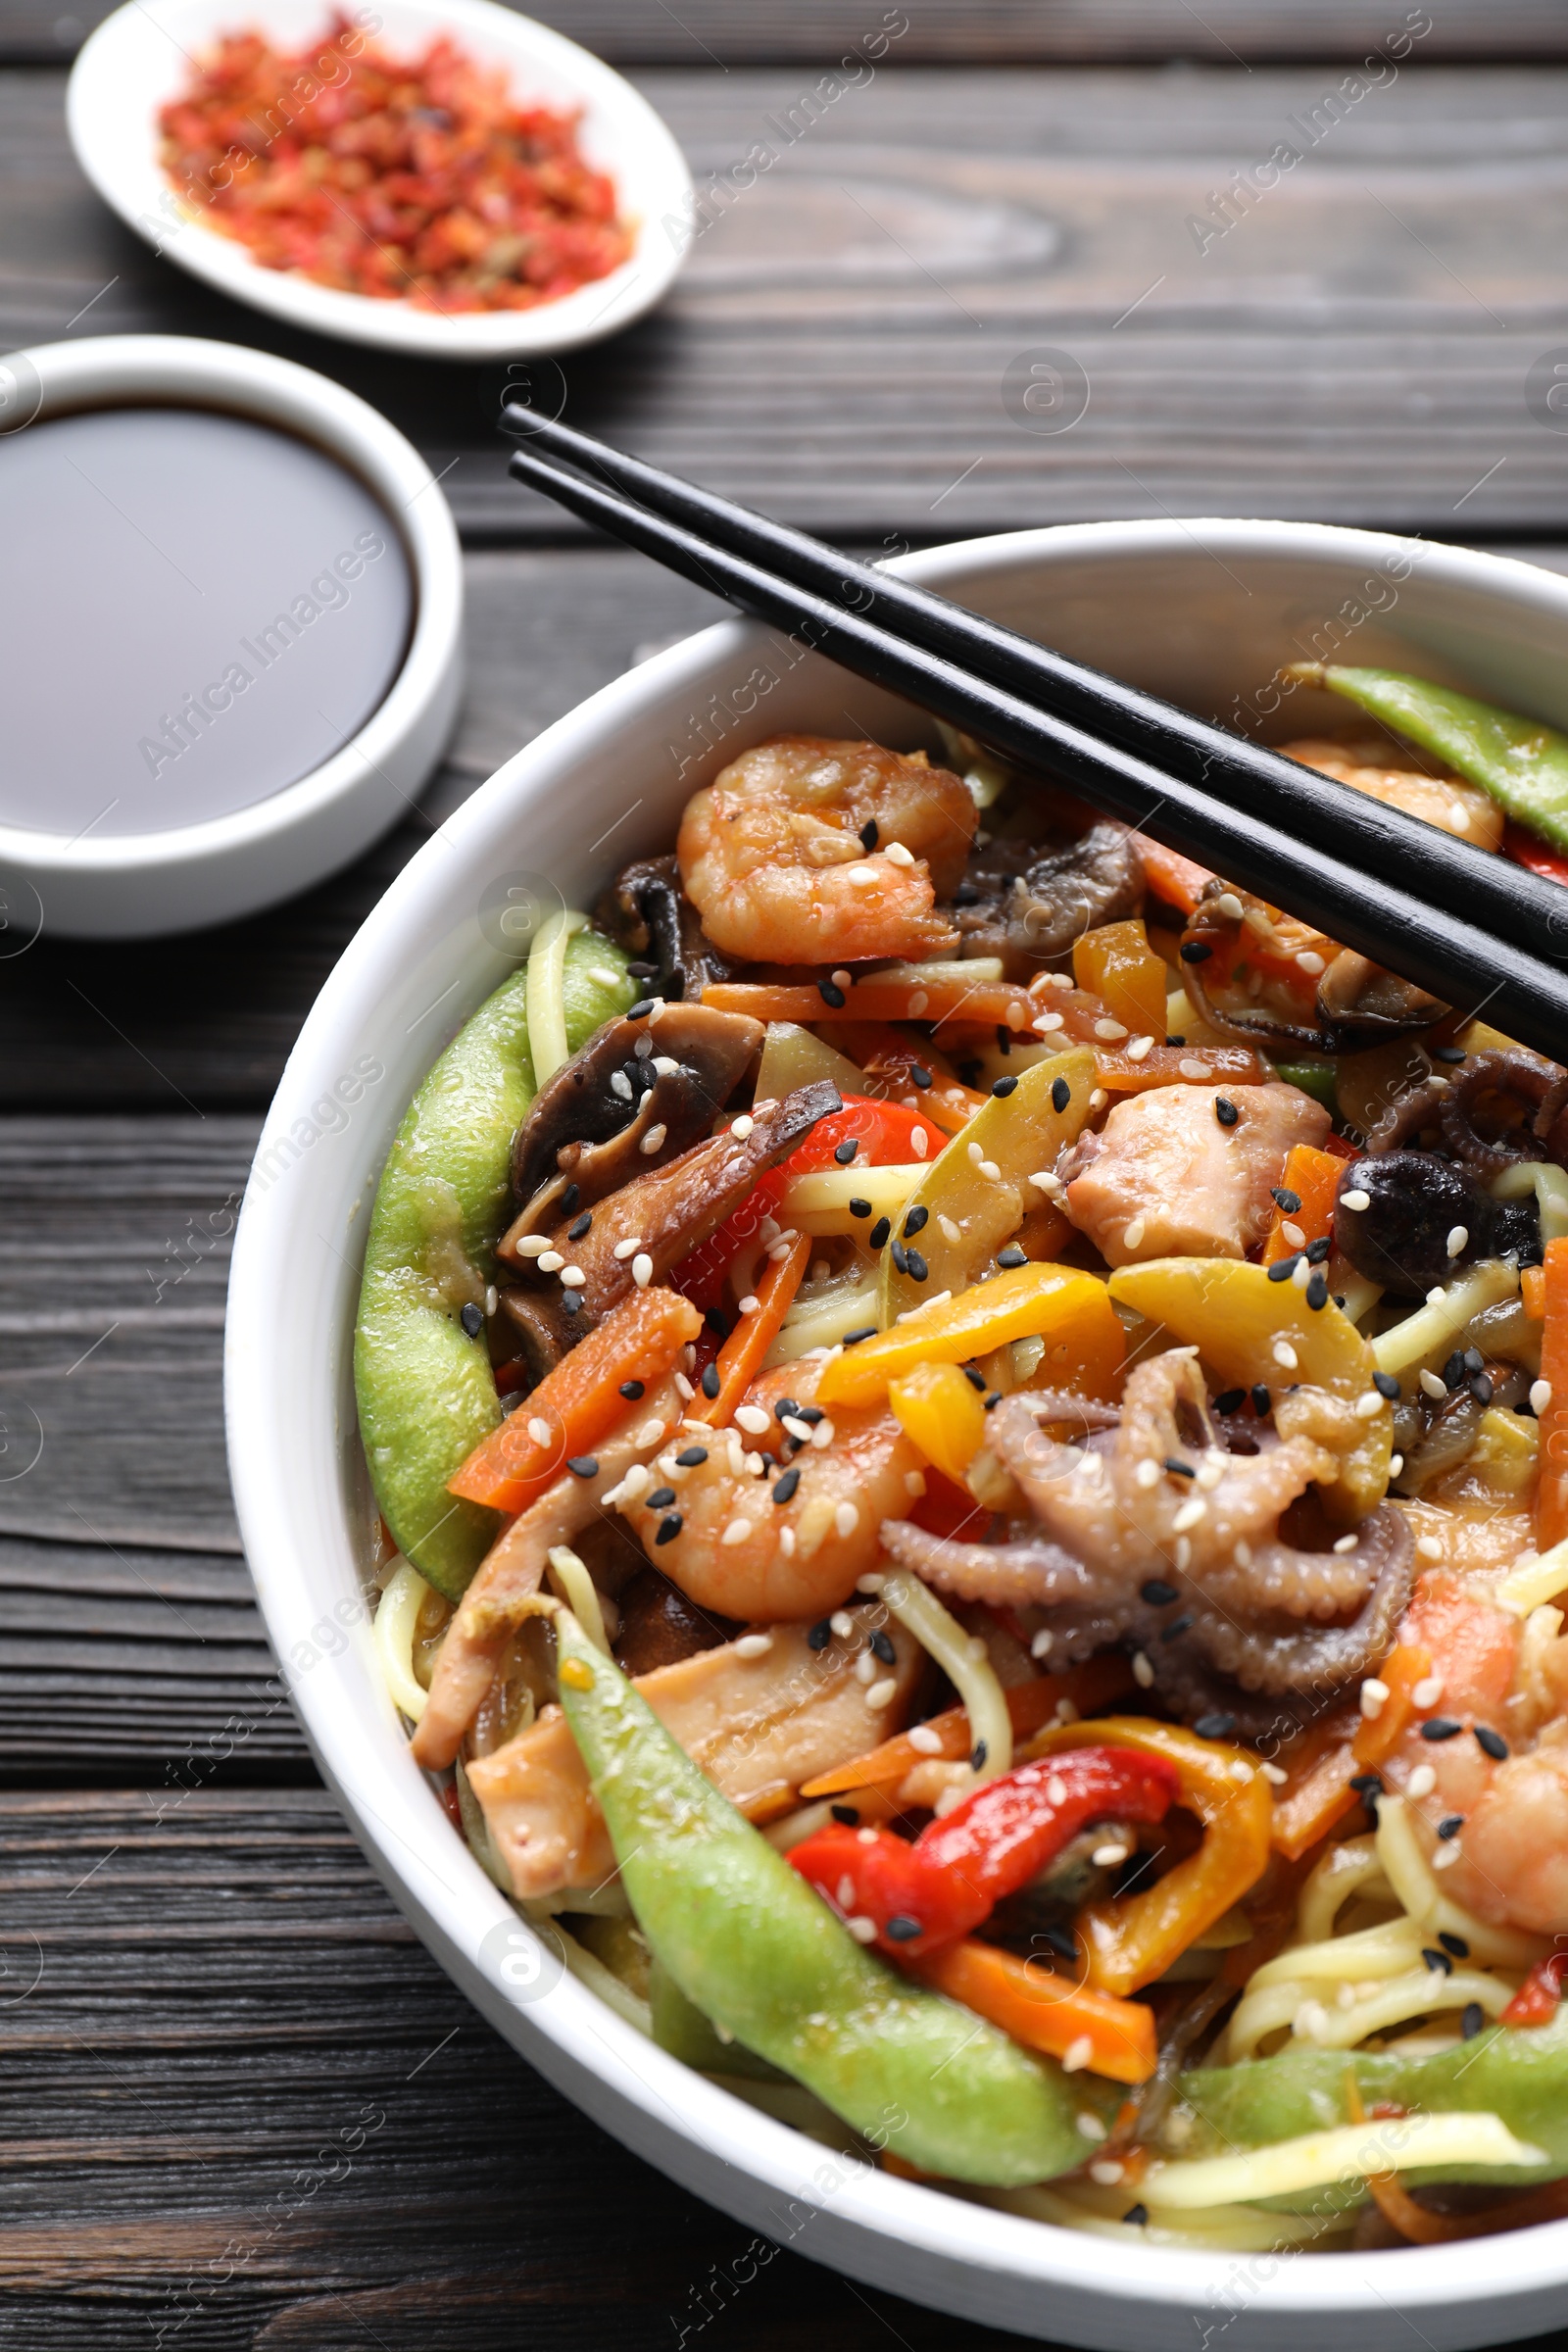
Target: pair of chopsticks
[[1472, 927]]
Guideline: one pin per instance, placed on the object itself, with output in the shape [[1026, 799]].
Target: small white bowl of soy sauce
[[232, 612]]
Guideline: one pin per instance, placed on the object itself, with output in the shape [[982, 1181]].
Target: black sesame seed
[[1449, 1826], [1453, 1371], [710, 1383], [1367, 1783], [882, 1648], [831, 994], [901, 1258], [844, 1152], [1480, 1389], [1003, 1086], [570, 1199], [640, 971], [1175, 1040], [717, 1322], [668, 1528], [1217, 1726], [1318, 1290], [1179, 1468], [968, 894], [975, 1377], [859, 1208], [820, 1634], [579, 1226], [1230, 1400], [693, 1454], [570, 1303], [784, 1408], [1011, 1257], [918, 1218], [848, 1815], [917, 1267], [1492, 1744], [1284, 1267], [1178, 1626], [631, 1390], [642, 1008], [1439, 1962], [977, 1758], [583, 1465], [902, 1928], [1060, 1942], [811, 1414], [868, 834], [1195, 951], [660, 1498], [1446, 1052], [1004, 1038], [1472, 2017], [1262, 1404], [1225, 1111], [1285, 1200], [920, 1074], [1386, 1385], [1061, 1094], [784, 1488], [1455, 1944], [1138, 2215], [473, 1320], [1474, 1360], [1316, 1252], [992, 1399], [878, 1238], [1441, 1726], [866, 1331], [1157, 1593]]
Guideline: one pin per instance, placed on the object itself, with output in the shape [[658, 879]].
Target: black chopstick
[[1385, 843], [1437, 949]]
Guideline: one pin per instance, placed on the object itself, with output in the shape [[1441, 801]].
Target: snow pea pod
[[765, 1959], [1520, 761], [1517, 2073], [425, 1388]]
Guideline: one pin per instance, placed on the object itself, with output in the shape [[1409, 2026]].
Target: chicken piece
[[758, 1726], [1171, 1175]]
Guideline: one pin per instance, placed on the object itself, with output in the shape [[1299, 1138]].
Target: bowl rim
[[139, 195], [951, 2252], [107, 371]]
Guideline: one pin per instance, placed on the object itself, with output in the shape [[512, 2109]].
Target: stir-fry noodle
[[976, 1423]]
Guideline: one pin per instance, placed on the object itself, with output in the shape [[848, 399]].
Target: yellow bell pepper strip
[[1551, 1491], [765, 1960], [1250, 1332], [1314, 1176], [1046, 2011], [941, 1411], [1116, 961], [980, 1190], [1521, 762], [1097, 1683], [1133, 1938], [1070, 1311], [740, 1359], [1532, 1291]]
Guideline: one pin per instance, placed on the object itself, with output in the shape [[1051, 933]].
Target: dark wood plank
[[1355, 348], [730, 32]]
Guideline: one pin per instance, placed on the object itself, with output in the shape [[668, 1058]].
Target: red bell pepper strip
[[923, 1896], [1528, 849], [1535, 2001]]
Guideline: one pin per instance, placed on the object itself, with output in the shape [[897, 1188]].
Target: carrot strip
[[1096, 1684], [1169, 875], [579, 1403], [1177, 1065], [740, 1359], [1532, 1291], [1308, 1811], [1314, 1176], [1319, 1792], [1379, 1735], [1551, 1491], [943, 996], [1046, 2011]]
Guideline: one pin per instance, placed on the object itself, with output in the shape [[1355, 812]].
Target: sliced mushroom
[[649, 913], [1357, 1002], [1417, 1208], [1028, 905], [670, 1072]]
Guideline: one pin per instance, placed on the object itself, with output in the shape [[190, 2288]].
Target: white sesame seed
[[642, 1274], [620, 1084], [1458, 1239], [863, 1930], [737, 1531], [653, 1140], [1422, 1781], [1110, 1030], [797, 1428], [1133, 1233], [753, 1419], [786, 1541], [1143, 1671], [1345, 1542], [1310, 961], [1369, 1405], [1147, 1473], [551, 1261], [1140, 1049], [1191, 1514], [1374, 1698], [1433, 1385], [952, 1233], [742, 1127], [919, 1142], [914, 1482], [1292, 1234], [1190, 1069], [862, 876], [754, 1646], [897, 854], [976, 1155], [1275, 1773], [1230, 907], [1459, 816], [1285, 1355], [1098, 1099], [1212, 1472], [572, 1278], [916, 1004], [1090, 2125], [1044, 1181], [1429, 1547], [540, 1431], [749, 1305], [1107, 2170], [841, 1623], [683, 1387], [1311, 2021], [822, 1435], [665, 1064], [625, 1249], [881, 1695], [1242, 1554], [1048, 1023], [1427, 1693], [1395, 1464], [532, 1245], [1184, 1553], [990, 1171], [1356, 1200], [643, 1047], [1076, 2057], [845, 1518], [1043, 1643], [925, 1741], [1446, 1855]]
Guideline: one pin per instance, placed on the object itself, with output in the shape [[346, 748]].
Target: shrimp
[[1490, 1674], [761, 1545], [795, 854]]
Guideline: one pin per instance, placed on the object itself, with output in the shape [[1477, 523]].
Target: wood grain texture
[[1355, 345]]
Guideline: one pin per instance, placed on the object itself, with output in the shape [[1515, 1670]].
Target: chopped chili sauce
[[418, 180]]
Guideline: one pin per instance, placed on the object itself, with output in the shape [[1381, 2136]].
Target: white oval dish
[[1201, 611], [140, 885], [139, 58]]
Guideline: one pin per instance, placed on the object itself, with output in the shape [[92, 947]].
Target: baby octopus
[[1159, 1532], [808, 851]]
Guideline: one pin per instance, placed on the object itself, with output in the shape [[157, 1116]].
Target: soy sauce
[[195, 611]]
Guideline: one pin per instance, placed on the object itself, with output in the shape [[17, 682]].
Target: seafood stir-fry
[[970, 1429]]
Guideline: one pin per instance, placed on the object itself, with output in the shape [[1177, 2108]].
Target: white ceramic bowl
[[1201, 611], [139, 58], [140, 885]]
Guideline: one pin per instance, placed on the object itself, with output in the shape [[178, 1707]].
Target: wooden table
[[242, 2107]]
